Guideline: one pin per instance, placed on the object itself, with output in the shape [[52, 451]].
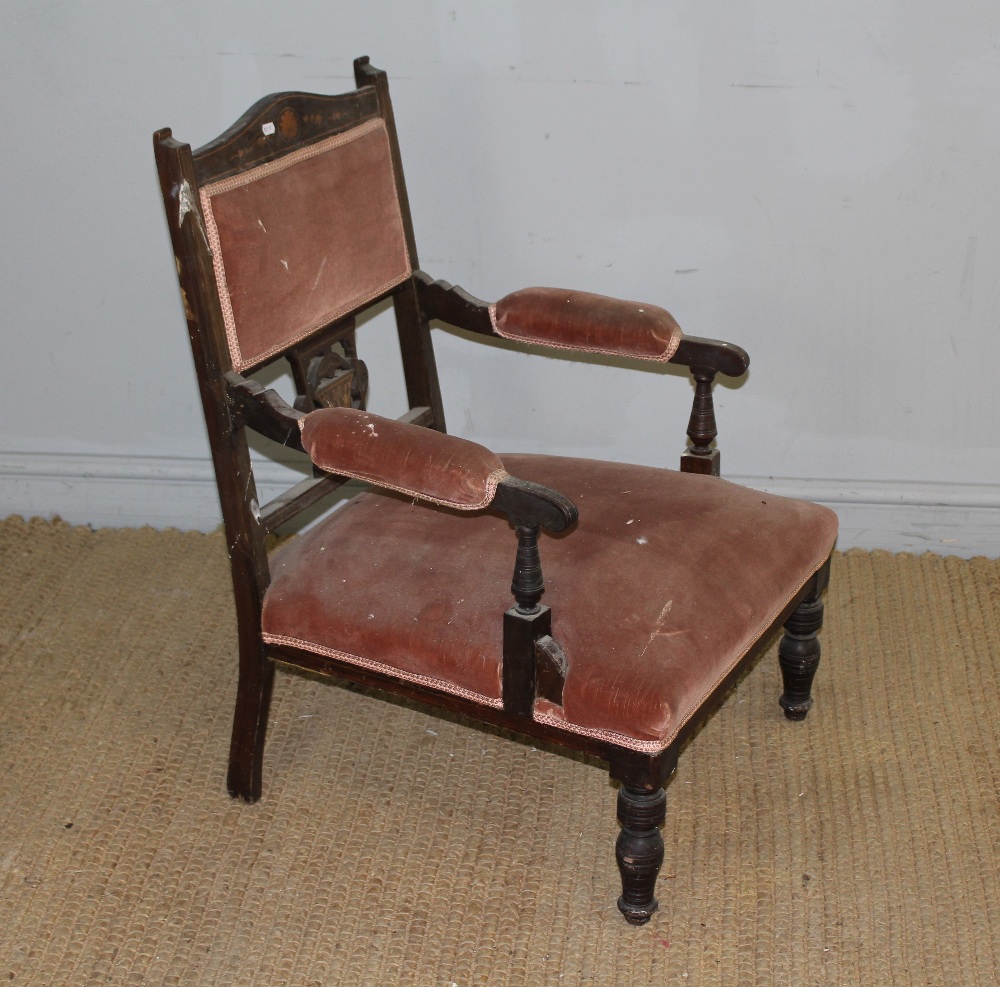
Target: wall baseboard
[[176, 492], [903, 516], [123, 491]]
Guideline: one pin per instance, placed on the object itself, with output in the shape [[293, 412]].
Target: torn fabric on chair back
[[304, 240]]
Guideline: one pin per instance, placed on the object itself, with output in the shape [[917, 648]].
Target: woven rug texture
[[397, 847]]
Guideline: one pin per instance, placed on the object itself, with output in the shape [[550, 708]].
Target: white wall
[[815, 181]]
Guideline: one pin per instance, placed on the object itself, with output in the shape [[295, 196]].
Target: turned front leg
[[639, 850], [798, 655]]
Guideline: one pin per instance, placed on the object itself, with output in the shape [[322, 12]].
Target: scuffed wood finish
[[277, 124], [264, 410], [230, 456], [419, 366], [453, 305], [418, 416], [551, 665]]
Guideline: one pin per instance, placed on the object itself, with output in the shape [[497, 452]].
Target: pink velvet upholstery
[[418, 462], [304, 240], [578, 320], [648, 627]]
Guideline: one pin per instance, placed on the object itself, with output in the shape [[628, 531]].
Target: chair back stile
[[202, 310]]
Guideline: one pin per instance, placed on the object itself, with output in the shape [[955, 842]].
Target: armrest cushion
[[578, 320], [414, 460]]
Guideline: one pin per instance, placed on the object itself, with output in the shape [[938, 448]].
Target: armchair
[[658, 586]]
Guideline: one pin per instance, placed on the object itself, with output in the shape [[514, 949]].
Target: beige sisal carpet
[[392, 847]]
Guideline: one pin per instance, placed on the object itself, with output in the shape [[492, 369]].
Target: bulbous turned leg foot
[[639, 850], [798, 655]]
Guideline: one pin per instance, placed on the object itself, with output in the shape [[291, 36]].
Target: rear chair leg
[[798, 655], [639, 850], [253, 701]]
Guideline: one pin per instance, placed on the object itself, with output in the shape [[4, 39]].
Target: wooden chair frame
[[234, 403]]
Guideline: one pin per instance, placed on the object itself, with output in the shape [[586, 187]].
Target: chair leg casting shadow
[[659, 586]]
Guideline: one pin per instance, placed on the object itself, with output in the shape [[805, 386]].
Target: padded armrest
[[413, 460], [579, 320]]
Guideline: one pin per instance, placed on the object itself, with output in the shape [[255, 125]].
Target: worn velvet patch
[[419, 462], [580, 320]]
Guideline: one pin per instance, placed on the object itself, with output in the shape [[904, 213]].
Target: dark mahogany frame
[[232, 403]]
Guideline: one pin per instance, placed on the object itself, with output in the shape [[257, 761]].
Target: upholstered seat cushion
[[665, 583]]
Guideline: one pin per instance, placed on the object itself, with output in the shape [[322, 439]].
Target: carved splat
[[328, 372]]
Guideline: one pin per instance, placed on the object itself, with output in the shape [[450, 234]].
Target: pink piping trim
[[375, 666]]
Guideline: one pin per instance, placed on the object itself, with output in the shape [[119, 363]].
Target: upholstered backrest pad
[[579, 320], [413, 460], [303, 240]]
